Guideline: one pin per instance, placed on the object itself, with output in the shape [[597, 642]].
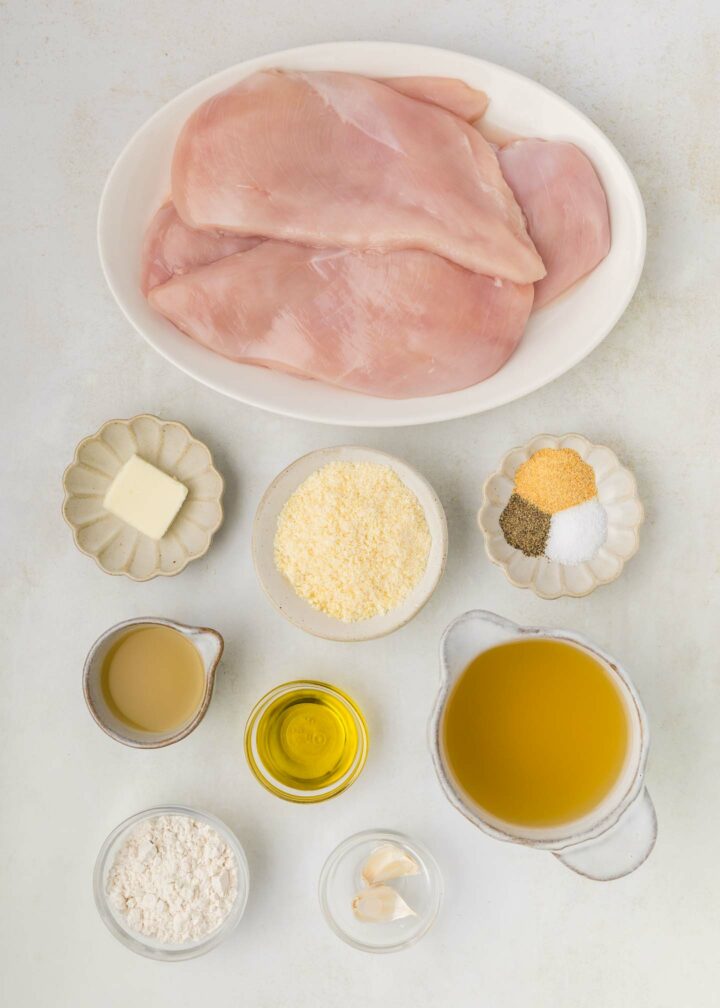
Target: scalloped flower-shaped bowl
[[116, 547], [617, 492]]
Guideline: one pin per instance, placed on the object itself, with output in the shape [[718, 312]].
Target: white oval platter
[[557, 337]]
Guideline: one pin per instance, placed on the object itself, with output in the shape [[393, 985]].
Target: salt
[[577, 533]]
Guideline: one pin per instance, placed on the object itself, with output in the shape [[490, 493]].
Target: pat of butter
[[145, 497]]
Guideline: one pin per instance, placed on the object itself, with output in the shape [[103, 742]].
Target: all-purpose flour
[[174, 879]]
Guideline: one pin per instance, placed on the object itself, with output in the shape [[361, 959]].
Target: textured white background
[[516, 928]]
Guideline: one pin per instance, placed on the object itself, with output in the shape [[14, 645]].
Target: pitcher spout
[[209, 644], [468, 636]]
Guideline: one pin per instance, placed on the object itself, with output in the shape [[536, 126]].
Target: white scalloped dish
[[116, 547], [616, 491]]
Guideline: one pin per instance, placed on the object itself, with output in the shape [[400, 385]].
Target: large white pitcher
[[618, 835]]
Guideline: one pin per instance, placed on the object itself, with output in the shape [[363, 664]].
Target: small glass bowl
[[262, 773], [341, 879], [139, 943]]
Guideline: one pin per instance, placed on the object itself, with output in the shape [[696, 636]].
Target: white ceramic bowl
[[557, 337], [617, 492], [280, 591], [116, 547]]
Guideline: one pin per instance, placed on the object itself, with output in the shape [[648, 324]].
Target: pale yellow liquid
[[153, 678], [535, 732], [307, 739]]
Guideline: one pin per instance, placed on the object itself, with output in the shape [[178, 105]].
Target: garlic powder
[[352, 540]]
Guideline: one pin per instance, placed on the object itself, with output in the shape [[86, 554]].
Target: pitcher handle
[[618, 851]]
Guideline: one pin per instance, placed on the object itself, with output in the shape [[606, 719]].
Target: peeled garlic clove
[[380, 903], [388, 862]]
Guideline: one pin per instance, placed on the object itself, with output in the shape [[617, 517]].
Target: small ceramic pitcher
[[618, 835], [209, 645]]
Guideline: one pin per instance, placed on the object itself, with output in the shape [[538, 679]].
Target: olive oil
[[308, 738], [535, 732], [152, 678]]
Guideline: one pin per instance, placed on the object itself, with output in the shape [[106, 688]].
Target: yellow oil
[[535, 732], [308, 738], [153, 678]]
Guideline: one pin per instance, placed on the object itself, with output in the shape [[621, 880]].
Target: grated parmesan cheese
[[352, 540]]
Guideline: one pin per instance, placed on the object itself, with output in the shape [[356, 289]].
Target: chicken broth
[[535, 732]]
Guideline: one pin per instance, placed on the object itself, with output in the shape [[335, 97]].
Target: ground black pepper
[[525, 526]]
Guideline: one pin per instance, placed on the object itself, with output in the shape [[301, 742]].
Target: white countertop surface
[[516, 928]]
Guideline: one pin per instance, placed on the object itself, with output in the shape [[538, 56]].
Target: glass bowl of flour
[[171, 882]]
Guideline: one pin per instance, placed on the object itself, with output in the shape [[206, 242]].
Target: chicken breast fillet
[[565, 207], [171, 247], [336, 160], [402, 324], [449, 93]]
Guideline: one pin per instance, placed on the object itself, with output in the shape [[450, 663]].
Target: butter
[[145, 497]]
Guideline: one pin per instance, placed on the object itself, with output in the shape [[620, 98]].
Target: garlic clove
[[380, 903], [388, 862]]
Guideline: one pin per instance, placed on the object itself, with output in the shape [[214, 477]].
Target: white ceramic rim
[[134, 941], [368, 411], [390, 836], [366, 629], [590, 826]]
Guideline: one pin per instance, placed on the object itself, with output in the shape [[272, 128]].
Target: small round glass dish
[[348, 722], [142, 944], [341, 880]]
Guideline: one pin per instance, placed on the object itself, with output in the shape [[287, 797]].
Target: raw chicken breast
[[170, 247], [496, 135], [565, 207], [336, 160], [403, 324], [447, 92]]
